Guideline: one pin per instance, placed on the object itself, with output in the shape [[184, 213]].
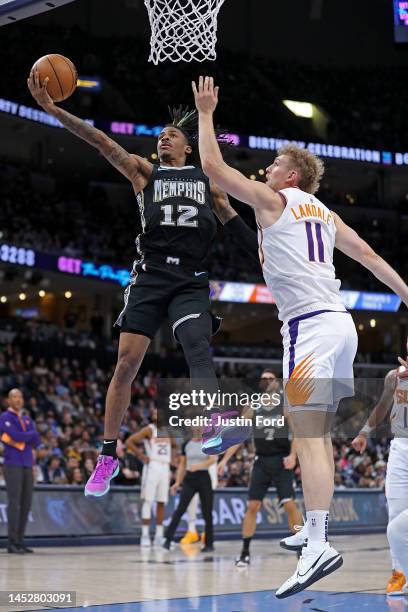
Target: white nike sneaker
[[296, 541], [312, 566], [242, 561], [158, 540], [145, 541]]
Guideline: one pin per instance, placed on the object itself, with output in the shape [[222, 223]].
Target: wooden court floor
[[185, 579]]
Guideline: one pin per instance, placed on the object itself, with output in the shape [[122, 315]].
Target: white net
[[183, 30]]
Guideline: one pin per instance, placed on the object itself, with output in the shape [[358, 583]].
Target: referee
[[19, 436], [193, 473], [274, 463]]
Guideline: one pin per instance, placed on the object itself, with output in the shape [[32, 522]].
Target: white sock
[[317, 526], [145, 530], [159, 531], [192, 526]]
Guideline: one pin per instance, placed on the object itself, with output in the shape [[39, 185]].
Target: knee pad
[[194, 336], [196, 350]]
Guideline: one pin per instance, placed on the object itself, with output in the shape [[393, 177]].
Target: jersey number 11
[[311, 241]]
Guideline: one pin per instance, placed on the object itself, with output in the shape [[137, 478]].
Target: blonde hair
[[310, 167]]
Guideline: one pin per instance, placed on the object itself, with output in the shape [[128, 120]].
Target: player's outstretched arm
[[350, 243], [227, 456], [242, 234], [257, 195], [378, 413], [131, 166]]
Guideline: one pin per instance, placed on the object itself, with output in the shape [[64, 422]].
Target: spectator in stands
[[54, 473]]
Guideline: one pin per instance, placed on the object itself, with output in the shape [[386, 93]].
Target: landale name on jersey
[[305, 211], [194, 190], [401, 396]]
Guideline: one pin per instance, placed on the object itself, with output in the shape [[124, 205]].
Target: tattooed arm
[[221, 206], [133, 167]]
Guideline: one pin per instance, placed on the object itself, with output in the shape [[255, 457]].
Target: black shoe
[[207, 548], [16, 550], [167, 544], [242, 561], [27, 550]]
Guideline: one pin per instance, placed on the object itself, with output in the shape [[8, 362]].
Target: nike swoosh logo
[[312, 566], [199, 273]]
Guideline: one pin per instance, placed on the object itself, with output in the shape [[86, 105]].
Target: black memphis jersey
[[176, 214], [269, 439]]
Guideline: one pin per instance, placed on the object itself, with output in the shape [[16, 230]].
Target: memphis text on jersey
[[191, 189], [221, 421]]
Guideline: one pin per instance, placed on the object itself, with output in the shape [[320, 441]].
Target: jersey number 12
[[179, 215]]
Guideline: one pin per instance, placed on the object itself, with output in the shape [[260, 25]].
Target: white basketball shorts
[[396, 482], [319, 350], [155, 482]]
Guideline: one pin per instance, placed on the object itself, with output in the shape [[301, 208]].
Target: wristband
[[367, 429]]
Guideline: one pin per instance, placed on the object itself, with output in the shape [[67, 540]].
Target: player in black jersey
[[176, 203], [274, 462]]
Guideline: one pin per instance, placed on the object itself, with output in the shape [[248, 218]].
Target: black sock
[[109, 448], [245, 546]]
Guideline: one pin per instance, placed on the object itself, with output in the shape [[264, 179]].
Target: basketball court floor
[[130, 579]]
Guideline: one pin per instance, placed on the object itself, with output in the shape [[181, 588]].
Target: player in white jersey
[[297, 235], [395, 394], [155, 476]]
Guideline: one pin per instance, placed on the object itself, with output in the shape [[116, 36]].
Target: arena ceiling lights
[[300, 109]]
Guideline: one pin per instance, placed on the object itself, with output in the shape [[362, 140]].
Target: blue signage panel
[[65, 511]]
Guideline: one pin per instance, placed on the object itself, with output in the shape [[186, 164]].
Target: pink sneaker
[[99, 483]]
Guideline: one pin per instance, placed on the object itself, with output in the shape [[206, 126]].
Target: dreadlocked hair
[[186, 120]]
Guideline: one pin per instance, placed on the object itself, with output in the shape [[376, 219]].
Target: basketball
[[62, 75]]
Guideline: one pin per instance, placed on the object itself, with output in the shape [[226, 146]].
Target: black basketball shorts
[[164, 291], [268, 471]]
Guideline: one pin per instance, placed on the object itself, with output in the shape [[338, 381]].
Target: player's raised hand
[[359, 443], [205, 95], [403, 362], [38, 91]]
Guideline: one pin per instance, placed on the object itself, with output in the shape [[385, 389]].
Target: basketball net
[[183, 30]]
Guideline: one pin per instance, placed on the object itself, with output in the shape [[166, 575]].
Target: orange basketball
[[62, 75]]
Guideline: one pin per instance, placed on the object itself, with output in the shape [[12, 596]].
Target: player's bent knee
[[196, 350], [126, 369], [311, 422], [254, 506]]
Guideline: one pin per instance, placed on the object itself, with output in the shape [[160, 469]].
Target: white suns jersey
[[157, 449], [297, 257], [399, 412]]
